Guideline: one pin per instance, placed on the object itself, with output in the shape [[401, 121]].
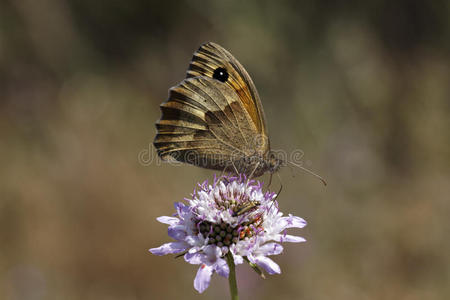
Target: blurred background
[[362, 88]]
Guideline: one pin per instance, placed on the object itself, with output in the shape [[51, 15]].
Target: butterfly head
[[274, 163]]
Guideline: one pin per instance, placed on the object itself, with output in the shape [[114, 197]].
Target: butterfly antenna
[[310, 172], [235, 169], [270, 180], [281, 185], [292, 170]]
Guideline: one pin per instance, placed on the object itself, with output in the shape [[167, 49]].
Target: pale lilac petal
[[221, 267], [238, 259], [195, 258], [212, 252], [271, 249], [267, 264], [203, 278], [192, 240], [180, 206], [287, 238], [182, 209], [292, 221], [177, 232], [169, 248], [168, 220]]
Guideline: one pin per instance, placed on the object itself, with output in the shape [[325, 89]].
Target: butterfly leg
[[253, 172], [223, 172], [235, 169], [270, 180], [281, 186]]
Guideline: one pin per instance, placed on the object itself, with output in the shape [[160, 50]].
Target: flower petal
[[267, 264], [194, 258], [271, 249], [174, 247], [168, 220], [212, 253], [292, 221], [221, 267], [287, 238], [238, 259], [182, 209], [203, 278], [177, 232]]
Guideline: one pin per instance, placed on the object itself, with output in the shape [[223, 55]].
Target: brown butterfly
[[214, 118]]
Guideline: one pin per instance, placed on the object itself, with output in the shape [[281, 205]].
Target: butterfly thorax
[[256, 165]]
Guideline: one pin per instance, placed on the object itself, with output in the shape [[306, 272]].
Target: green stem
[[232, 277]]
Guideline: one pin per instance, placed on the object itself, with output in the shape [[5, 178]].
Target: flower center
[[223, 234]]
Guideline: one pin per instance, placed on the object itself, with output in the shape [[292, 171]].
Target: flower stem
[[232, 277]]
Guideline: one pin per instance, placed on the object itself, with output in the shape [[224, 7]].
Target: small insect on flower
[[230, 216]]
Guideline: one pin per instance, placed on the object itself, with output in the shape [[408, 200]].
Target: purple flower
[[233, 215]]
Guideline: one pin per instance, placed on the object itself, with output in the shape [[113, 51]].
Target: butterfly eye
[[220, 74]]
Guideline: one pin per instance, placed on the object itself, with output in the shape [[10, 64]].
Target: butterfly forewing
[[208, 58]]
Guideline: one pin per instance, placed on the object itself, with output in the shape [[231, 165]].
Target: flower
[[231, 215]]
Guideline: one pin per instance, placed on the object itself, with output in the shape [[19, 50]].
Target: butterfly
[[214, 118]]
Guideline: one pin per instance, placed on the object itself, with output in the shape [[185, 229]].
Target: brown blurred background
[[362, 88]]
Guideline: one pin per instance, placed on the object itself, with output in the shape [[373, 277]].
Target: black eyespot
[[220, 74]]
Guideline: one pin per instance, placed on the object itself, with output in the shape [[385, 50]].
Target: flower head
[[231, 215]]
